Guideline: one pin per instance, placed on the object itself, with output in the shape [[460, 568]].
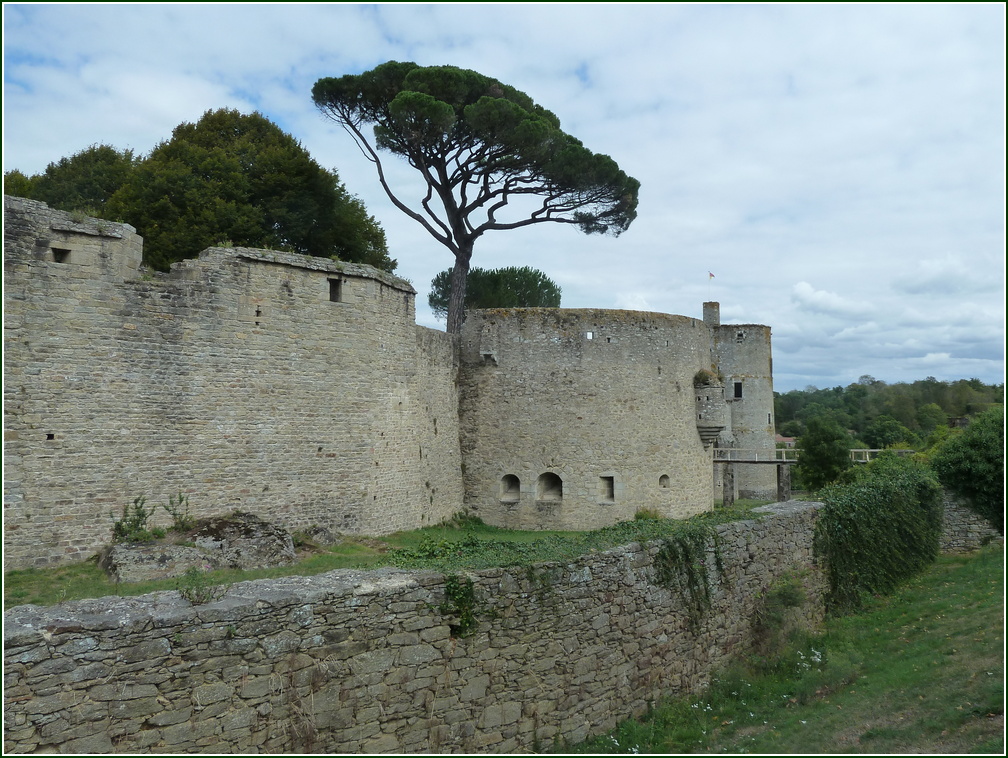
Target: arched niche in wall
[[510, 491], [549, 487]]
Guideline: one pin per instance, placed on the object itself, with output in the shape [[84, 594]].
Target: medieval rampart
[[300, 389], [296, 388], [364, 662]]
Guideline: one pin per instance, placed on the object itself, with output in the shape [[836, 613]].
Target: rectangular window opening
[[61, 255], [738, 390], [608, 485], [335, 290]]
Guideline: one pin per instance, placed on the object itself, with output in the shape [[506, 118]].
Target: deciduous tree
[[885, 431], [239, 178], [825, 453], [83, 181], [491, 158]]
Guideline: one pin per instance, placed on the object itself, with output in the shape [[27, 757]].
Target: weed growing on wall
[[196, 587], [460, 601], [878, 527]]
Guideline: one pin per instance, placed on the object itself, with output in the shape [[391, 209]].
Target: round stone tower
[[577, 419]]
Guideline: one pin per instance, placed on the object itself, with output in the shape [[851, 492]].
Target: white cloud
[[828, 303], [840, 168]]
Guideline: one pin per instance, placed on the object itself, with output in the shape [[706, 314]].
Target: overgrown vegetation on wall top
[[880, 525]]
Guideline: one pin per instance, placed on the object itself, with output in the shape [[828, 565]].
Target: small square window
[[61, 255]]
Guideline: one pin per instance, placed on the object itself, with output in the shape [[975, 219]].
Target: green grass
[[919, 671], [460, 544]]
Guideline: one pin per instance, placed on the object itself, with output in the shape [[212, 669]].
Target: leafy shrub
[[879, 526], [182, 520], [972, 465], [464, 520], [132, 527], [196, 587]]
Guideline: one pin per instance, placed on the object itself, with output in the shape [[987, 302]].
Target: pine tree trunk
[[456, 300]]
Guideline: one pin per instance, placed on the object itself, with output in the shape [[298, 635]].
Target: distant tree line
[[956, 430], [229, 179], [880, 415]]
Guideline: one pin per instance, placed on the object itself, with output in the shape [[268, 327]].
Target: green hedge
[[972, 465], [880, 525]]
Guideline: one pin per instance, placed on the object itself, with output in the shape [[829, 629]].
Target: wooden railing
[[788, 455]]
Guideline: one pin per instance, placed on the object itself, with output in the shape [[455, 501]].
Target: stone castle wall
[[576, 419], [296, 388], [364, 662], [300, 389]]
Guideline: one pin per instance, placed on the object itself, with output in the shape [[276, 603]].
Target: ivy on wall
[[460, 602], [683, 564]]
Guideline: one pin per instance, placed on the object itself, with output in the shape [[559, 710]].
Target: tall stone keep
[[575, 419]]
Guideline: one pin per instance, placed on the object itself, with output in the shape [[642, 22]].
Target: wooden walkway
[[782, 458]]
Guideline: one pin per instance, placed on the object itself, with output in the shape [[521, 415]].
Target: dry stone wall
[[299, 389], [365, 662], [963, 529]]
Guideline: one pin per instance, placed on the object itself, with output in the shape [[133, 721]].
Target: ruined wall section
[[274, 383], [576, 419]]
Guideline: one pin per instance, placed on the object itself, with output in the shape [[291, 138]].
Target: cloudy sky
[[840, 169]]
